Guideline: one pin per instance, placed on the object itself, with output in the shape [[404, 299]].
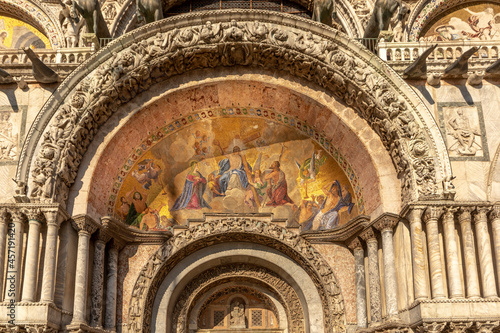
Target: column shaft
[[97, 284], [495, 226], [471, 274], [3, 242], [484, 252], [14, 256], [111, 290], [374, 281], [49, 265], [452, 266], [417, 252], [391, 287], [82, 260], [30, 272], [436, 272]]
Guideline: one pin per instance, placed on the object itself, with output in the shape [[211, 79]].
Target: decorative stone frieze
[[317, 54]]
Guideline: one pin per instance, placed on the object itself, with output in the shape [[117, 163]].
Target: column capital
[[18, 215], [495, 212], [487, 326], [464, 214], [52, 216], [103, 235], [369, 235], [386, 222], [84, 224], [34, 214], [460, 327], [481, 214], [117, 244], [415, 215], [4, 216], [432, 327], [432, 213], [449, 213], [355, 244]]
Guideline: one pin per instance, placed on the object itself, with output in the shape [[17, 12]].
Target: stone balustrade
[[400, 55], [60, 56]]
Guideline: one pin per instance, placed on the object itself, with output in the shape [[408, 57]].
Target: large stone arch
[[38, 16], [215, 236], [111, 78]]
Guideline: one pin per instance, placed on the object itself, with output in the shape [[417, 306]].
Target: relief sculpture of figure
[[464, 134], [238, 316], [91, 12], [149, 10]]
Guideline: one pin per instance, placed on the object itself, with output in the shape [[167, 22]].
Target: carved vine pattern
[[154, 59], [199, 285], [242, 230]]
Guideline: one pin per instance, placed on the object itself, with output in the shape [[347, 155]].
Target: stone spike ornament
[[419, 67], [41, 72], [461, 65]]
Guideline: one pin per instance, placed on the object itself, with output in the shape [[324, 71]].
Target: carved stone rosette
[[316, 54], [235, 229]]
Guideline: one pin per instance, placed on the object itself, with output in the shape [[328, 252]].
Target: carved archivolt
[[234, 273], [243, 230], [136, 61], [39, 17]]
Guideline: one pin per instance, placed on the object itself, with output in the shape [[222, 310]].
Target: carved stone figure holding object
[[238, 316], [324, 11], [91, 12], [149, 10]]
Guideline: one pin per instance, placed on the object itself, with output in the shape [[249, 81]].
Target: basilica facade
[[266, 166]]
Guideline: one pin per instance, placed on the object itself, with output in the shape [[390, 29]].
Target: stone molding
[[66, 125], [235, 229], [340, 234]]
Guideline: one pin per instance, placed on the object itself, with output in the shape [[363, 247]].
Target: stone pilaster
[[49, 266], [495, 227], [111, 284], [484, 252], [471, 274], [85, 227], [417, 252], [4, 221], [370, 238], [31, 269], [450, 241], [15, 252], [431, 217], [98, 279], [386, 225], [359, 262]]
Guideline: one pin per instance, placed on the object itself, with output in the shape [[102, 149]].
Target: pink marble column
[[471, 274], [417, 252], [484, 252], [431, 217], [450, 241]]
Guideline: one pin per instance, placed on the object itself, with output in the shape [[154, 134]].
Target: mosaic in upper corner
[[477, 22], [16, 34], [236, 165]]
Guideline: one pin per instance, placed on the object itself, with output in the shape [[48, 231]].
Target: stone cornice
[[124, 234], [340, 234], [446, 204]]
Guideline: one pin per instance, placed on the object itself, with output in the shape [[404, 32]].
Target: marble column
[[484, 252], [359, 262], [373, 275], [14, 256], [450, 243], [495, 226], [4, 221], [49, 264], [85, 228], [417, 252], [111, 284], [386, 225], [431, 217], [32, 249], [471, 274], [98, 279]]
